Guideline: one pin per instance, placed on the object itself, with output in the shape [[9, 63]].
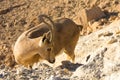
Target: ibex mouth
[[52, 61]]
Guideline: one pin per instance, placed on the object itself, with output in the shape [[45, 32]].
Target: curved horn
[[51, 27], [41, 19]]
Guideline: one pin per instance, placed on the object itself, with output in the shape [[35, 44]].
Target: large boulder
[[100, 54], [88, 16]]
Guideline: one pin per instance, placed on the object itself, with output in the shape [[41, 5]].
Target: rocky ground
[[97, 51]]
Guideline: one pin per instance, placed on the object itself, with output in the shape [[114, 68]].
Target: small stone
[[87, 15], [113, 40], [105, 34], [95, 26], [117, 32]]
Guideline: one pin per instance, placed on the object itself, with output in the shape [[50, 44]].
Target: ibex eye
[[48, 49]]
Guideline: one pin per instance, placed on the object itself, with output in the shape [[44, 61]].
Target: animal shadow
[[70, 66]]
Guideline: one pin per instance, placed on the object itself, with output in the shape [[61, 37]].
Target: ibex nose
[[52, 61]]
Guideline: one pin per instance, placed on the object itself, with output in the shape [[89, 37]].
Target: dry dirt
[[18, 15]]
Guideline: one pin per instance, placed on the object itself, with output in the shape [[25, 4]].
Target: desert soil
[[16, 16]]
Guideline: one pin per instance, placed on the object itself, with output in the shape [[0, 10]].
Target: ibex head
[[47, 47], [46, 43]]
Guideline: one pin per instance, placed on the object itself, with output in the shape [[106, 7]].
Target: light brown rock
[[90, 15], [87, 15]]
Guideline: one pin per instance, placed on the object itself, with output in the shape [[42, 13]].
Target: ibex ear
[[42, 40], [46, 37]]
